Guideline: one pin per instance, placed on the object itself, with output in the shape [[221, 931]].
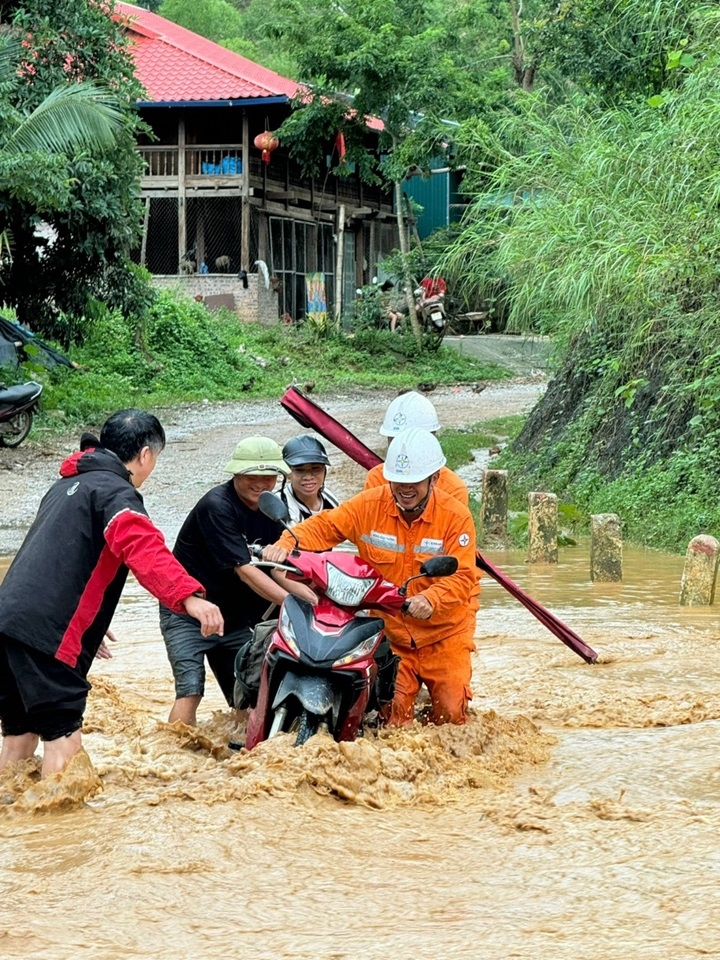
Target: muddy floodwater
[[576, 816]]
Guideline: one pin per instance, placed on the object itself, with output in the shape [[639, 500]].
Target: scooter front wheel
[[307, 728], [18, 427]]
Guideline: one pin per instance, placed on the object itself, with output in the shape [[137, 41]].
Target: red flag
[[340, 146]]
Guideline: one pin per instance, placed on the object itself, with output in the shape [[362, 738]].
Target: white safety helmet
[[409, 410], [412, 456]]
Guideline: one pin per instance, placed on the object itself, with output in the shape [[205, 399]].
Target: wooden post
[[542, 528], [605, 548], [372, 252], [287, 182], [697, 588], [412, 220], [339, 256], [263, 240], [146, 223], [182, 210], [200, 241], [245, 199], [405, 258], [360, 257]]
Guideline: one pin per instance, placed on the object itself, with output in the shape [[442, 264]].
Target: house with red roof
[[228, 222]]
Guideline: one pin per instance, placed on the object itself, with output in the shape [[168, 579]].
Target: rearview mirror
[[273, 507], [439, 567]]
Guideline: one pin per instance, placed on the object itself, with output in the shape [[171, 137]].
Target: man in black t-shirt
[[213, 547]]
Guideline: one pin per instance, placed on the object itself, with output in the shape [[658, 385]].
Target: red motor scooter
[[16, 412], [319, 667]]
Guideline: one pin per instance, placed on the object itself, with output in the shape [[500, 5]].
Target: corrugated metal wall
[[439, 197]]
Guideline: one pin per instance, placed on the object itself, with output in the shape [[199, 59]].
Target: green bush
[[176, 351]]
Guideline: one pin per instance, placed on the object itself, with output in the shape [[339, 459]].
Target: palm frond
[[71, 117]]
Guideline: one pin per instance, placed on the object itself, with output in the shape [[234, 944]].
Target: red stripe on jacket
[[88, 607], [131, 538]]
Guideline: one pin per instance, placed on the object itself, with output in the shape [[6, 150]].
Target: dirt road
[[524, 356]]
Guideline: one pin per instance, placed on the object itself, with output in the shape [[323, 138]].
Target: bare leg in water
[[18, 748], [56, 753]]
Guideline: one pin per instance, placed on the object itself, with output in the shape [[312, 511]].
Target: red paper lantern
[[267, 142]]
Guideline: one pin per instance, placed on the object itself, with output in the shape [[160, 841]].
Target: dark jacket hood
[[94, 458]]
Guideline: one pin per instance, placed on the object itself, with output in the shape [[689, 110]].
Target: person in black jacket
[[213, 545], [62, 588]]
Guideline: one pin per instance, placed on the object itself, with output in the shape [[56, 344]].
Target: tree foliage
[[217, 20], [615, 48], [71, 49]]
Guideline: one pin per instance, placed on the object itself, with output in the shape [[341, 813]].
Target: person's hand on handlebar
[[274, 554], [419, 607]]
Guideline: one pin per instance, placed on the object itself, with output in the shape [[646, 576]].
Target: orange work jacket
[[373, 522], [448, 482]]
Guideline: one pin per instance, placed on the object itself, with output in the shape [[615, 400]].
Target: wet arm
[[134, 539], [324, 531], [261, 583]]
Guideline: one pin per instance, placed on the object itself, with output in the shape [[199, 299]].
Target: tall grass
[[608, 239]]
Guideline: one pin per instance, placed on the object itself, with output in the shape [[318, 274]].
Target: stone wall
[[254, 305]]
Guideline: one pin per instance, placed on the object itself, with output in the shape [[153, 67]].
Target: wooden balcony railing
[[208, 163], [212, 160]]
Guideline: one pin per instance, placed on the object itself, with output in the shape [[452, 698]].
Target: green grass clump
[[458, 445]]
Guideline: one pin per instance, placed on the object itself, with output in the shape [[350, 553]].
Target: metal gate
[[298, 248]]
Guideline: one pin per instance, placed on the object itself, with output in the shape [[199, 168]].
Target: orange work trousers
[[445, 669]]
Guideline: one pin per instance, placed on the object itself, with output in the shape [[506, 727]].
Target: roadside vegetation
[[459, 444], [178, 352], [597, 219]]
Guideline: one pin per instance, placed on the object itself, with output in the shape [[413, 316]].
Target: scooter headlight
[[358, 652], [346, 590], [288, 632]]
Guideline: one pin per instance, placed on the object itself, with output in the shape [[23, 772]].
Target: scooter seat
[[20, 393]]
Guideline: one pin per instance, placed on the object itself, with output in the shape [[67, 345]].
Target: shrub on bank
[[179, 352]]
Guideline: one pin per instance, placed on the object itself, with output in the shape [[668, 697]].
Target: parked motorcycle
[[16, 412], [319, 667], [431, 311]]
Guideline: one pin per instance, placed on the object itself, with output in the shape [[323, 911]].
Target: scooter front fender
[[316, 694]]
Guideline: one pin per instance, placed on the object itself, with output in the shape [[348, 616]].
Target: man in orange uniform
[[414, 410], [396, 527]]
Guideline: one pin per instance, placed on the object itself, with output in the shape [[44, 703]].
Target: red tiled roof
[[175, 65]]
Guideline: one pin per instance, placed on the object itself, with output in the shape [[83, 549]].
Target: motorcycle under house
[[319, 665]]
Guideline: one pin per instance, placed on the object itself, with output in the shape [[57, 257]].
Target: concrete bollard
[[697, 588], [542, 528], [605, 548], [493, 509]]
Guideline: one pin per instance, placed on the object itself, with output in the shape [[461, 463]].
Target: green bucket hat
[[259, 456]]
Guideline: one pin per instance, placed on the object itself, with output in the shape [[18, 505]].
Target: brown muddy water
[[575, 817]]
